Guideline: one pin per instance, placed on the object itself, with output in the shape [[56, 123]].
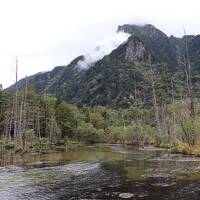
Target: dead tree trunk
[[135, 91], [174, 113], [20, 126], [188, 70], [38, 124], [25, 116], [188, 75], [16, 103], [124, 125], [156, 109]]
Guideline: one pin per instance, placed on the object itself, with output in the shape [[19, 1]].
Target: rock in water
[[126, 195]]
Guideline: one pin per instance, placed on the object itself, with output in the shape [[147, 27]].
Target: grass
[[183, 148]]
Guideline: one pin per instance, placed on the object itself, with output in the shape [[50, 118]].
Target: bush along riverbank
[[183, 148]]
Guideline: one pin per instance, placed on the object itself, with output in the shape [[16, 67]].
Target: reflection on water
[[100, 172], [91, 153]]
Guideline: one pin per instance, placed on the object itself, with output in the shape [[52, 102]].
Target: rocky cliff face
[[113, 79], [135, 51]]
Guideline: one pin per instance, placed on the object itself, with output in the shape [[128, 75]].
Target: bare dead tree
[[135, 90], [21, 120], [38, 124], [16, 102], [174, 113], [188, 70], [156, 109], [124, 126], [7, 119], [24, 127]]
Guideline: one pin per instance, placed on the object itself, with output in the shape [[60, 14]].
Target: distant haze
[[47, 33]]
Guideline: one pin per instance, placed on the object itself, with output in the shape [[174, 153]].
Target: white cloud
[[104, 47]]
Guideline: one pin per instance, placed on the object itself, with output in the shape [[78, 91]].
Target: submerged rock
[[126, 195], [99, 189]]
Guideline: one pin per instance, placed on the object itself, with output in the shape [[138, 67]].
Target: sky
[[43, 34]]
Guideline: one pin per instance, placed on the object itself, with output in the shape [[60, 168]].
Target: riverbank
[[45, 146], [41, 146]]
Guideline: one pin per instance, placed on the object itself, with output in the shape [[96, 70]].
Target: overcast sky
[[48, 33]]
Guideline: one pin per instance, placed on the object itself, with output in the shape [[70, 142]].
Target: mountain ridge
[[112, 79]]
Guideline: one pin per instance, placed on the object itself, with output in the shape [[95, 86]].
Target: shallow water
[[100, 172]]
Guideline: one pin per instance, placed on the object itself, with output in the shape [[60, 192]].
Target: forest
[[33, 122]]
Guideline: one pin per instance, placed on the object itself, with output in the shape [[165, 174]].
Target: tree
[[154, 96], [66, 119]]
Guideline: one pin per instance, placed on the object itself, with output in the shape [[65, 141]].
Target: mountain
[[122, 78]]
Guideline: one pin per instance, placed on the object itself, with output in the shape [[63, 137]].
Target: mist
[[103, 48]]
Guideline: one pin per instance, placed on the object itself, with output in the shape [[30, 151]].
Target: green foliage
[[116, 134], [52, 120], [86, 132], [9, 145], [96, 120], [190, 130], [180, 147], [30, 134], [66, 119]]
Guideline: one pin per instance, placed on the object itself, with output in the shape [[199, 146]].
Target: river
[[100, 172]]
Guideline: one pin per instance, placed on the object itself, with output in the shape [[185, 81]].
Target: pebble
[[126, 195]]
